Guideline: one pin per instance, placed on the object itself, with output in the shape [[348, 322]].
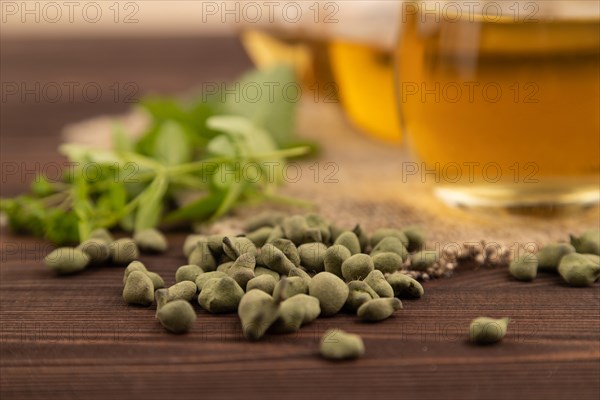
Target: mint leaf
[[172, 146]]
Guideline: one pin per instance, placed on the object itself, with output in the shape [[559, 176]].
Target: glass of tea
[[500, 100]]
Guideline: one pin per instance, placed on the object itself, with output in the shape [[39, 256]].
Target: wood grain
[[73, 337]]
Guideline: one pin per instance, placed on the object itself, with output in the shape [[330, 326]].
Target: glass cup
[[500, 100]]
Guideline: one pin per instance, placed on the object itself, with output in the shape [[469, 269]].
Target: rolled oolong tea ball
[[588, 242], [138, 289], [550, 255], [299, 272], [259, 237], [133, 266], [416, 238], [359, 293], [188, 273], [276, 233], [387, 262], [123, 251], [190, 243], [357, 267], [242, 270], [205, 277], [296, 311], [484, 330], [423, 260], [390, 245], [339, 345], [151, 241], [96, 249], [220, 295], [67, 260], [236, 246], [524, 267], [383, 233], [264, 219], [290, 287], [289, 249], [376, 280], [102, 234], [203, 257], [258, 271], [378, 309], [363, 238], [157, 281], [312, 256], [404, 286], [334, 257], [275, 259], [317, 221], [177, 316], [349, 240], [184, 290], [580, 269], [257, 312], [265, 282], [331, 291], [294, 228]]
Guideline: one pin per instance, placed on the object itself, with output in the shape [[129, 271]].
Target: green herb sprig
[[219, 153]]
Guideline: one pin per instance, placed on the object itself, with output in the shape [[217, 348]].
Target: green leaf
[[121, 141], [151, 203], [172, 146], [198, 210], [268, 98]]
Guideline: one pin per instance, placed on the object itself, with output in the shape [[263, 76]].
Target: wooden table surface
[[74, 337]]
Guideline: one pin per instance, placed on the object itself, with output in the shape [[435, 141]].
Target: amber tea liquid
[[515, 105]]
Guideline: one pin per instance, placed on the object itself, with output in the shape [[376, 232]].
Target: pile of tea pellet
[[577, 262], [287, 271]]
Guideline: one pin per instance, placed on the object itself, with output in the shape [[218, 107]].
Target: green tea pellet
[[257, 312], [242, 270], [258, 271], [359, 293], [383, 233], [404, 286], [133, 266], [378, 309], [390, 245], [96, 249], [312, 256], [334, 257], [190, 243], [296, 311], [376, 280], [524, 267], [220, 295], [331, 291], [289, 249], [387, 262], [349, 240], [177, 316], [588, 242], [215, 245], [102, 234], [416, 238], [234, 247], [188, 273], [151, 241], [299, 272], [264, 219], [294, 228], [357, 267], [276, 233], [363, 238], [205, 277], [423, 260], [550, 255], [259, 237], [67, 260], [274, 259], [485, 330], [339, 345], [123, 251], [138, 289], [203, 257], [265, 282], [289, 287], [320, 223], [157, 280], [580, 269]]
